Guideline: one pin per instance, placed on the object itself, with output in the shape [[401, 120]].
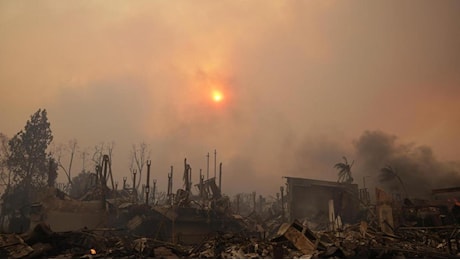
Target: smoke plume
[[416, 165]]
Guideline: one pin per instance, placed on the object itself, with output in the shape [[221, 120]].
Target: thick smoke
[[315, 158], [291, 72], [416, 165]]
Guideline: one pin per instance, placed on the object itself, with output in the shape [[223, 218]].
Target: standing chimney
[[134, 185], [186, 177], [170, 184], [106, 161], [220, 177], [202, 187], [190, 178], [147, 185], [215, 165], [207, 165], [282, 203]]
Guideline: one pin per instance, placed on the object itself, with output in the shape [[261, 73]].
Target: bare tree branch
[[98, 155], [139, 157], [72, 147]]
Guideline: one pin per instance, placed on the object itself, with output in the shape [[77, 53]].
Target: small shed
[[315, 201]]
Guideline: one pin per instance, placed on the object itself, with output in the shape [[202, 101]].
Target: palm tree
[[344, 171], [389, 173]]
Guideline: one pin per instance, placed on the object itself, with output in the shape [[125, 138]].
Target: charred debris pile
[[306, 219]]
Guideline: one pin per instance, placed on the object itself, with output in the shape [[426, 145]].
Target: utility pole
[[215, 158], [134, 185], [207, 165]]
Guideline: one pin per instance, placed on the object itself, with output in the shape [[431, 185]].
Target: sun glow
[[217, 96]]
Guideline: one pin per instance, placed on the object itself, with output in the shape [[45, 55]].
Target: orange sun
[[217, 96]]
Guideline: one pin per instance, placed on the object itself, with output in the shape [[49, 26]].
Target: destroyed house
[[63, 213], [320, 202]]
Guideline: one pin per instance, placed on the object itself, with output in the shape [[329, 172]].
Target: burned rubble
[[306, 219]]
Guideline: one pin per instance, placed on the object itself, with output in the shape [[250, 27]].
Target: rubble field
[[292, 241]]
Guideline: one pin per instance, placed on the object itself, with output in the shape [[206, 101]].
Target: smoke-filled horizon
[[301, 83], [414, 168]]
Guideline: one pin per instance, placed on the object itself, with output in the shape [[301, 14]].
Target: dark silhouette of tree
[[389, 173], [5, 173], [28, 160], [344, 171], [82, 183], [72, 147], [139, 157], [29, 165]]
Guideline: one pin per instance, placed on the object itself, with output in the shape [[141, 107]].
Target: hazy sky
[[301, 80]]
